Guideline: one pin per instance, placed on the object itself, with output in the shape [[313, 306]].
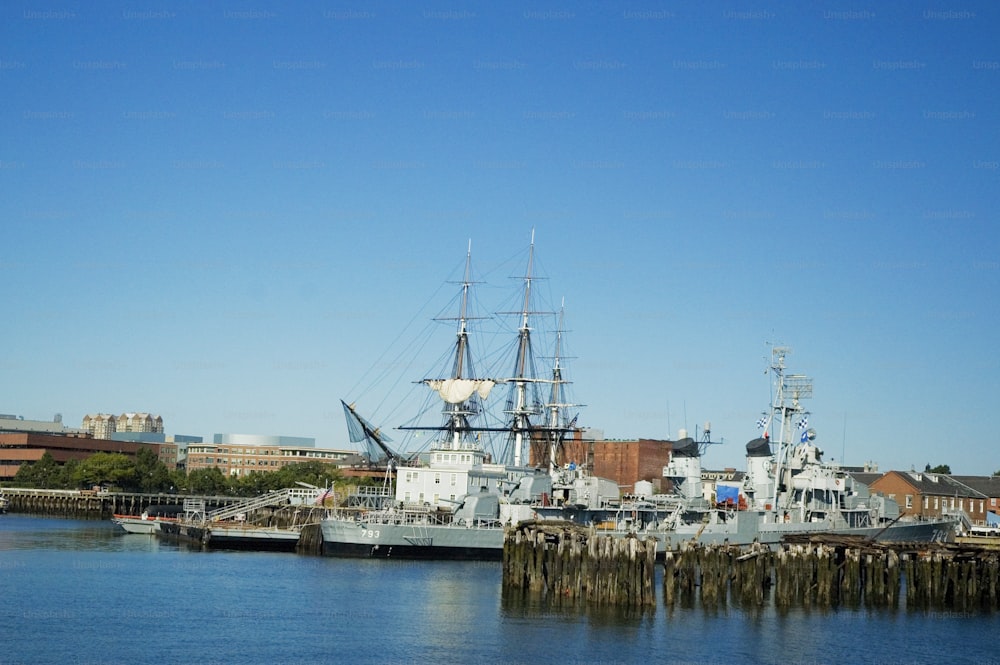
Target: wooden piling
[[565, 561]]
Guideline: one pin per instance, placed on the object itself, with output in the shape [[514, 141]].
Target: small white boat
[[144, 523]]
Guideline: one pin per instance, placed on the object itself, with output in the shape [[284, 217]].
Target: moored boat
[[144, 523]]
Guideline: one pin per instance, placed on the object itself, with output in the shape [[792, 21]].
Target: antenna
[[843, 445]]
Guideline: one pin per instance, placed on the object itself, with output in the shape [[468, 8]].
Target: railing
[[269, 499], [962, 516]]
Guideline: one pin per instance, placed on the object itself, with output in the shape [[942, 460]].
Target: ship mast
[[557, 400], [521, 425], [789, 390], [458, 412], [460, 390]]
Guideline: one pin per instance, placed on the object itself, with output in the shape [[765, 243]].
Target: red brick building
[[17, 448], [928, 495], [624, 462]]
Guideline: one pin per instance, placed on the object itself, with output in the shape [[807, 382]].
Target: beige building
[[103, 425], [240, 454], [139, 422], [100, 425]]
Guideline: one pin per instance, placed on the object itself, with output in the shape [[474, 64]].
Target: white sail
[[456, 391]]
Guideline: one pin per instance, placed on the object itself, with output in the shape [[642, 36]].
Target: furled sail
[[358, 429], [456, 391]]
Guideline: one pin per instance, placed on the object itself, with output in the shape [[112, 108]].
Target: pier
[[565, 561], [274, 521], [832, 571], [88, 504]]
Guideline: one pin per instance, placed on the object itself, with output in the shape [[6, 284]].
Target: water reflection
[[518, 604], [24, 533]]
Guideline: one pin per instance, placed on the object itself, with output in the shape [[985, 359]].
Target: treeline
[[146, 473]]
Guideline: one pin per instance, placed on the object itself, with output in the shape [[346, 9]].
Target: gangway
[[194, 510], [285, 496]]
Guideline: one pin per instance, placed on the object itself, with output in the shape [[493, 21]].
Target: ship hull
[[235, 538], [137, 523], [348, 538], [747, 531]]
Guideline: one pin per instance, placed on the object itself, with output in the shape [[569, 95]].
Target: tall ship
[[456, 503]]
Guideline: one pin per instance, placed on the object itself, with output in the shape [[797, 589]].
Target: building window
[[909, 501], [935, 503], [437, 478], [927, 501]]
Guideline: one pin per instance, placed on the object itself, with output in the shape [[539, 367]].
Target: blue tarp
[[727, 494], [992, 519]]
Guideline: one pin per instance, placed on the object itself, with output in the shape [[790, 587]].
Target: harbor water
[[78, 592]]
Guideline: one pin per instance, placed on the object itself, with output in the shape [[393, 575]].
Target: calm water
[[79, 592]]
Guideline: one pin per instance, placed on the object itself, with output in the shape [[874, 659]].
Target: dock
[[564, 561], [273, 521], [90, 504]]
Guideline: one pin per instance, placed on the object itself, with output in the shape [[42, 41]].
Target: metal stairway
[[283, 496]]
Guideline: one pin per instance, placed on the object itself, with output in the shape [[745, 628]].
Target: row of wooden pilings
[[567, 561], [563, 560]]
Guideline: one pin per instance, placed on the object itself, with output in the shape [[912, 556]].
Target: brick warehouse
[[625, 462], [17, 448]]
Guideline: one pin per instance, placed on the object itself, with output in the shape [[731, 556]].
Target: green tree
[[152, 475], [43, 474], [207, 481], [314, 473], [106, 469], [940, 468], [255, 483], [178, 481], [64, 479]]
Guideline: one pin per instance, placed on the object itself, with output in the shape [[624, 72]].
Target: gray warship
[[788, 491]]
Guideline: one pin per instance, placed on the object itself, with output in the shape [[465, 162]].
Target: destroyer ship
[[788, 491]]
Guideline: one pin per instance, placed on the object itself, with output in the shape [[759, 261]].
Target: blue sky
[[226, 213]]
